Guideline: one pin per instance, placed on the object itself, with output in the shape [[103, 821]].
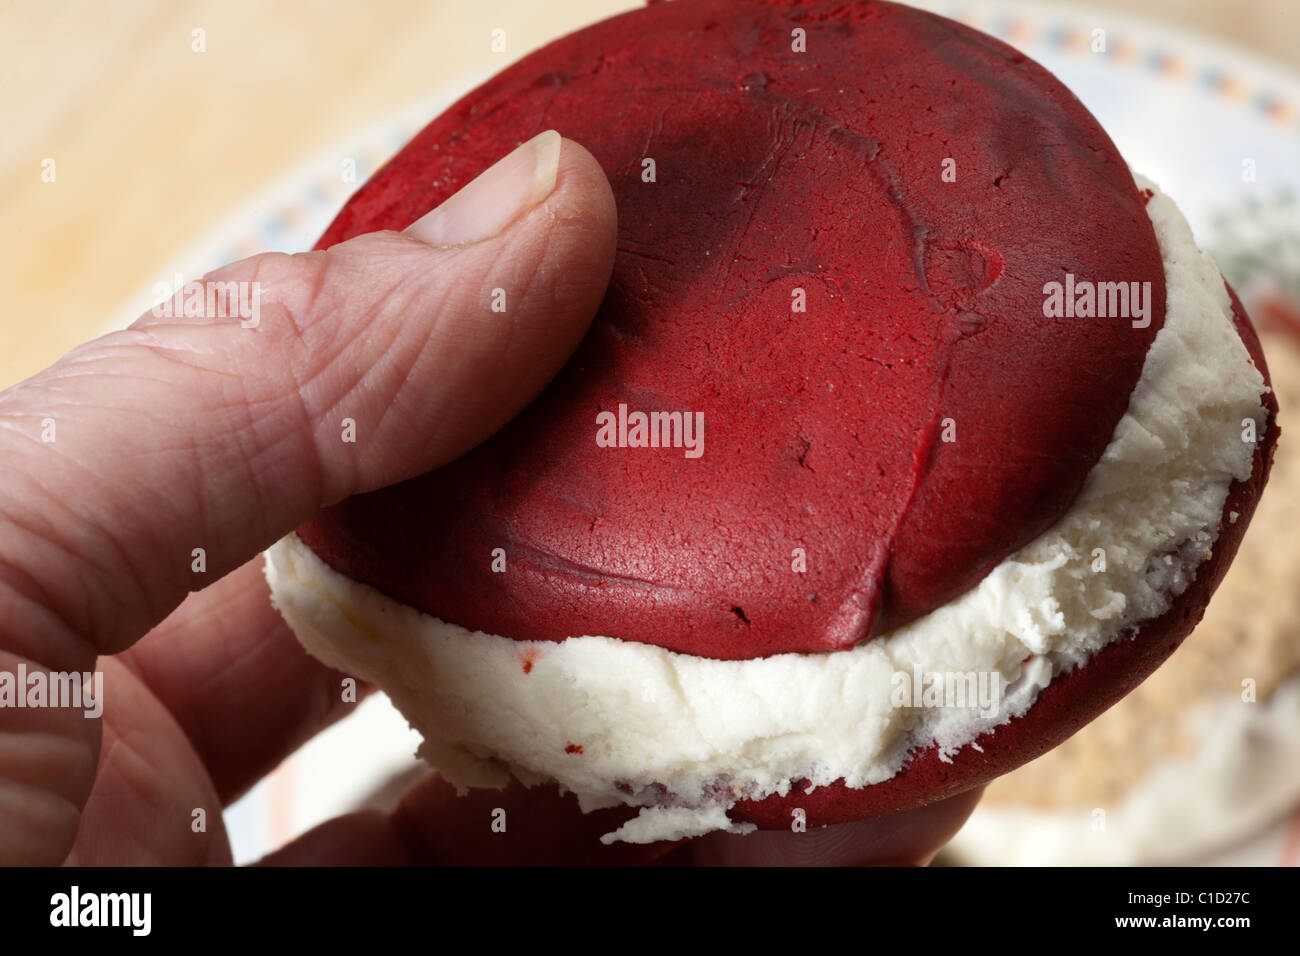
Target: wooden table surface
[[153, 142]]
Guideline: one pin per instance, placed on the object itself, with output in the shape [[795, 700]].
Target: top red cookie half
[[913, 184]]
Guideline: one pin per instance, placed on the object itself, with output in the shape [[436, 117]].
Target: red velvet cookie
[[837, 226]]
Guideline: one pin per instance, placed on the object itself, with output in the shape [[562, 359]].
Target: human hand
[[138, 449]]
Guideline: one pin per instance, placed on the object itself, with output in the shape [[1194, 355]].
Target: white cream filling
[[1244, 773], [685, 737]]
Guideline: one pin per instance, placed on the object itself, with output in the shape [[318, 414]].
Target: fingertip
[[363, 838], [583, 180]]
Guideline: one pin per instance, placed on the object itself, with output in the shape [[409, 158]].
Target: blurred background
[[146, 139]]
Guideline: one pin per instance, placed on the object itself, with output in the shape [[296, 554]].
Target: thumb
[[365, 364], [442, 333]]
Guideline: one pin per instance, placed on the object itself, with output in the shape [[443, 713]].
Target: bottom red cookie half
[[1069, 702]]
